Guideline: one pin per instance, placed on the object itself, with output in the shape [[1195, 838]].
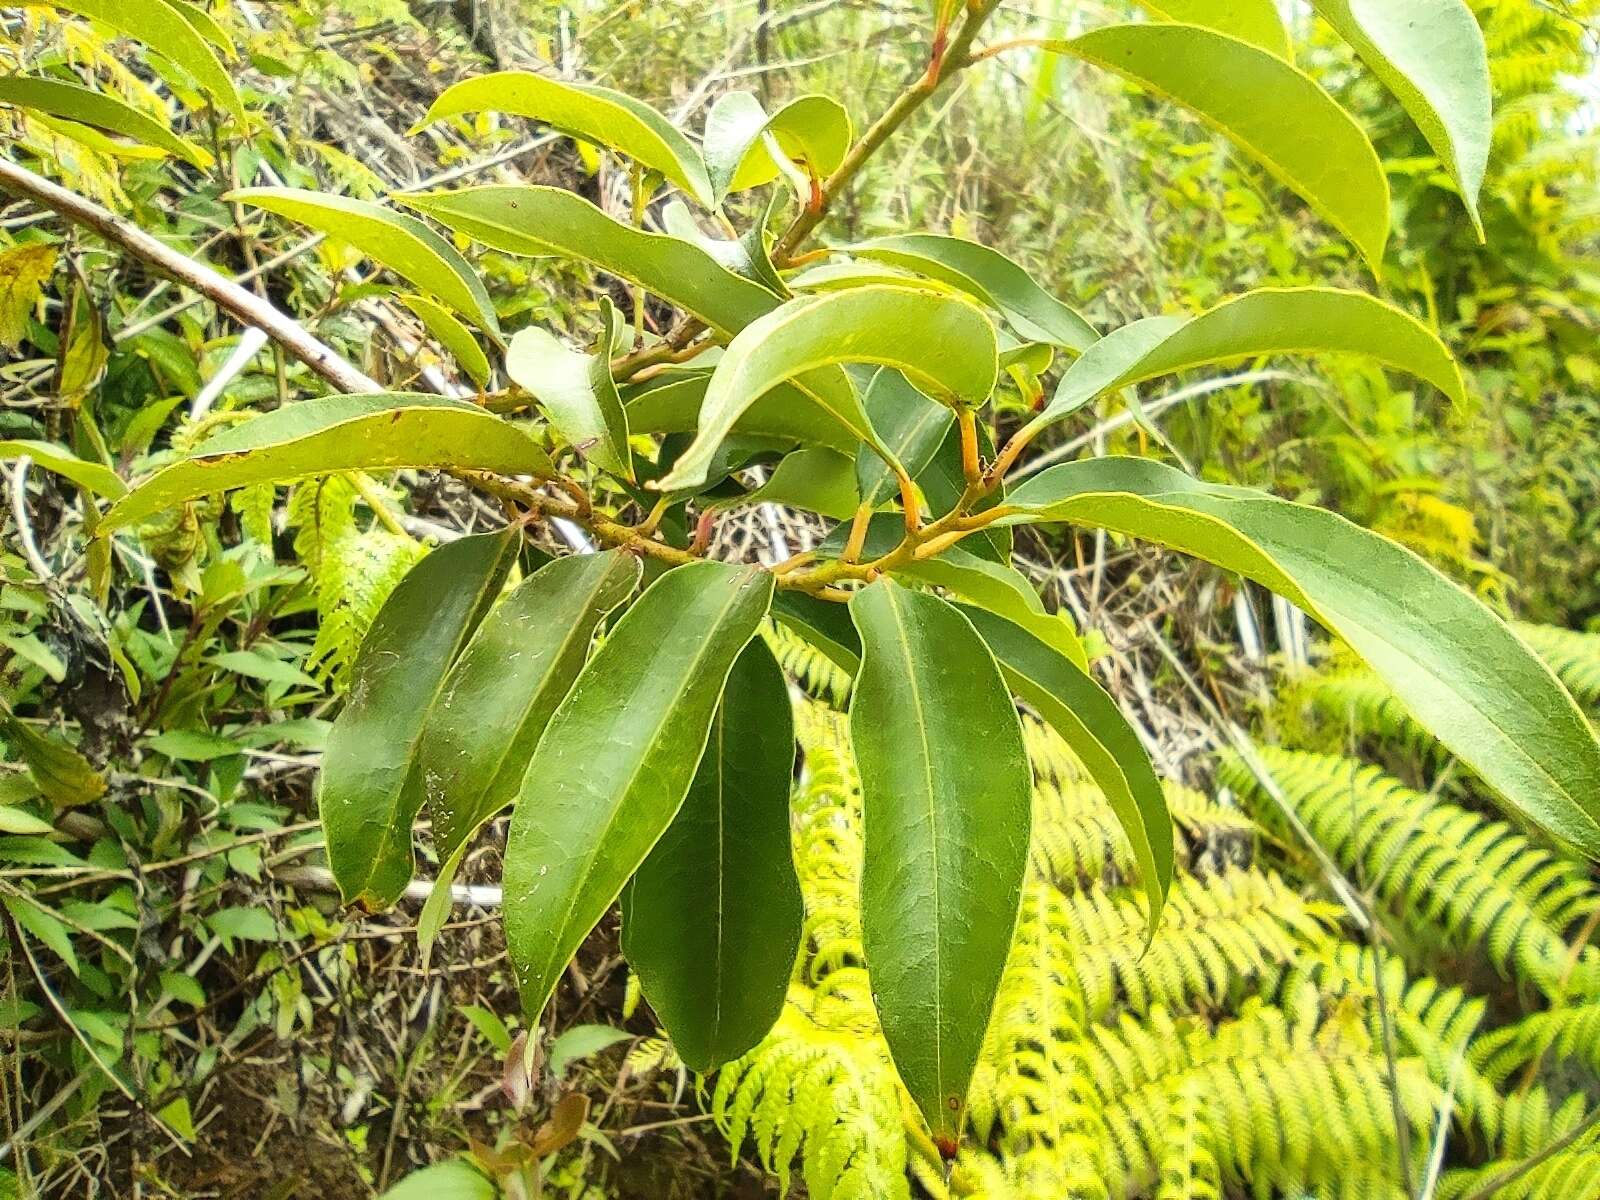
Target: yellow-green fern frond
[[1188, 1165], [813, 671], [1574, 657], [1453, 878], [1570, 1032], [1531, 1127]]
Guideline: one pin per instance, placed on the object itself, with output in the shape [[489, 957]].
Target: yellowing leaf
[[24, 271], [73, 103]]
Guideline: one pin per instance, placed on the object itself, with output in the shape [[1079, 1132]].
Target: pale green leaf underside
[[1431, 55], [1461, 672], [395, 240], [1267, 321], [74, 103], [811, 131], [1266, 106], [378, 432], [98, 478], [576, 391], [597, 114]]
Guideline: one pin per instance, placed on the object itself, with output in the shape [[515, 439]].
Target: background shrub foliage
[[694, 460]]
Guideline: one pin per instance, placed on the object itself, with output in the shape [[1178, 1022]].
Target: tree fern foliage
[[1264, 1043]]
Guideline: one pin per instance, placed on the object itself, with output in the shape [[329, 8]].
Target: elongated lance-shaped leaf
[[168, 33], [944, 344], [812, 131], [596, 114], [97, 477], [372, 783], [377, 432], [711, 920], [393, 239], [1255, 21], [1266, 321], [988, 276], [1001, 589], [1461, 672], [498, 697], [815, 479], [1068, 699], [1269, 108], [538, 221], [617, 759], [74, 103], [576, 392], [945, 788], [452, 335], [1431, 55]]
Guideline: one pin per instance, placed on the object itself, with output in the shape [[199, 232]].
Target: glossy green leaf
[[815, 479], [811, 131], [450, 333], [989, 276], [373, 776], [1265, 105], [1255, 21], [944, 344], [1068, 699], [74, 103], [945, 792], [711, 921], [673, 406], [910, 425], [500, 693], [378, 432], [395, 240], [576, 391], [596, 114], [1463, 675], [537, 221], [166, 31], [100, 479], [1267, 321], [1431, 55], [449, 1180], [616, 761]]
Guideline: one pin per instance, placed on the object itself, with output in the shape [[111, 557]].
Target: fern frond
[[1574, 657], [1188, 1164], [1568, 1033], [1215, 936], [1454, 879], [813, 671], [1531, 1126]]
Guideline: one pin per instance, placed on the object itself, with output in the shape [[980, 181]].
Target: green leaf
[[673, 406], [538, 221], [1274, 111], [815, 479], [167, 32], [395, 240], [380, 432], [576, 392], [264, 667], [748, 256], [372, 781], [942, 483], [1255, 21], [617, 759], [452, 335], [64, 776], [1068, 699], [813, 132], [1431, 55], [581, 1041], [1463, 675], [596, 114], [244, 924], [711, 921], [16, 820], [191, 745], [99, 479], [988, 276], [943, 343], [1266, 321], [451, 1180], [24, 270], [498, 697], [910, 425], [42, 923], [74, 103], [945, 788]]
